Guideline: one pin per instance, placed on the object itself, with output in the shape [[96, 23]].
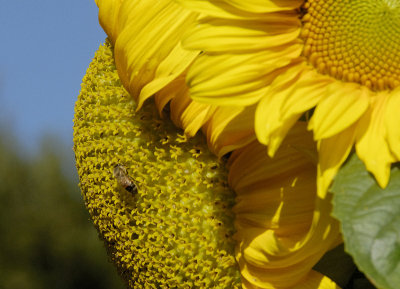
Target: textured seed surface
[[177, 230]]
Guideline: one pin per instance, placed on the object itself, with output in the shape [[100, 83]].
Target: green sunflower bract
[[177, 230]]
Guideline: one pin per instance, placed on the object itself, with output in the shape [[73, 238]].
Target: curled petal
[[283, 226]]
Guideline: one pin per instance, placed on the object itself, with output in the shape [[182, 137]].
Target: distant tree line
[[46, 237]]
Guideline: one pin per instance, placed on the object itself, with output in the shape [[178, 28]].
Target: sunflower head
[[337, 62], [246, 72]]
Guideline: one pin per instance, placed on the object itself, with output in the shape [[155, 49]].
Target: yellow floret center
[[354, 40]]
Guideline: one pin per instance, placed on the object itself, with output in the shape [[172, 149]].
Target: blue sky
[[46, 47]]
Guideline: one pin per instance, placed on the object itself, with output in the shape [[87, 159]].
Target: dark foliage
[[47, 239]]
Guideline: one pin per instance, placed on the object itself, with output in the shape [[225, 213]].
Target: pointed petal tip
[[324, 181], [382, 176]]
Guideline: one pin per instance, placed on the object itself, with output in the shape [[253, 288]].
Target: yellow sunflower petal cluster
[[248, 73], [283, 227], [246, 69], [151, 61], [340, 58]]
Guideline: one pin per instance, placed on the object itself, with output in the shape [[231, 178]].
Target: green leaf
[[370, 220]]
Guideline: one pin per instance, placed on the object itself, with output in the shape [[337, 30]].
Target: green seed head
[[174, 227]]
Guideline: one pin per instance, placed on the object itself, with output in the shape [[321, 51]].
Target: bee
[[123, 179]]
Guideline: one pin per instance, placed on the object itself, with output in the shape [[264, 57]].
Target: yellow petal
[[267, 118], [180, 101], [230, 128], [292, 93], [392, 122], [217, 10], [372, 147], [333, 152], [108, 15], [288, 159], [219, 35], [343, 104], [172, 66], [195, 116], [236, 80], [278, 277], [185, 113], [283, 227], [231, 8], [262, 6], [305, 93], [315, 280], [147, 48], [277, 207], [175, 88]]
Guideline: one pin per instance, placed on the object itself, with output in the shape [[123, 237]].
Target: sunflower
[[255, 73], [282, 228], [151, 61], [261, 65], [340, 59]]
